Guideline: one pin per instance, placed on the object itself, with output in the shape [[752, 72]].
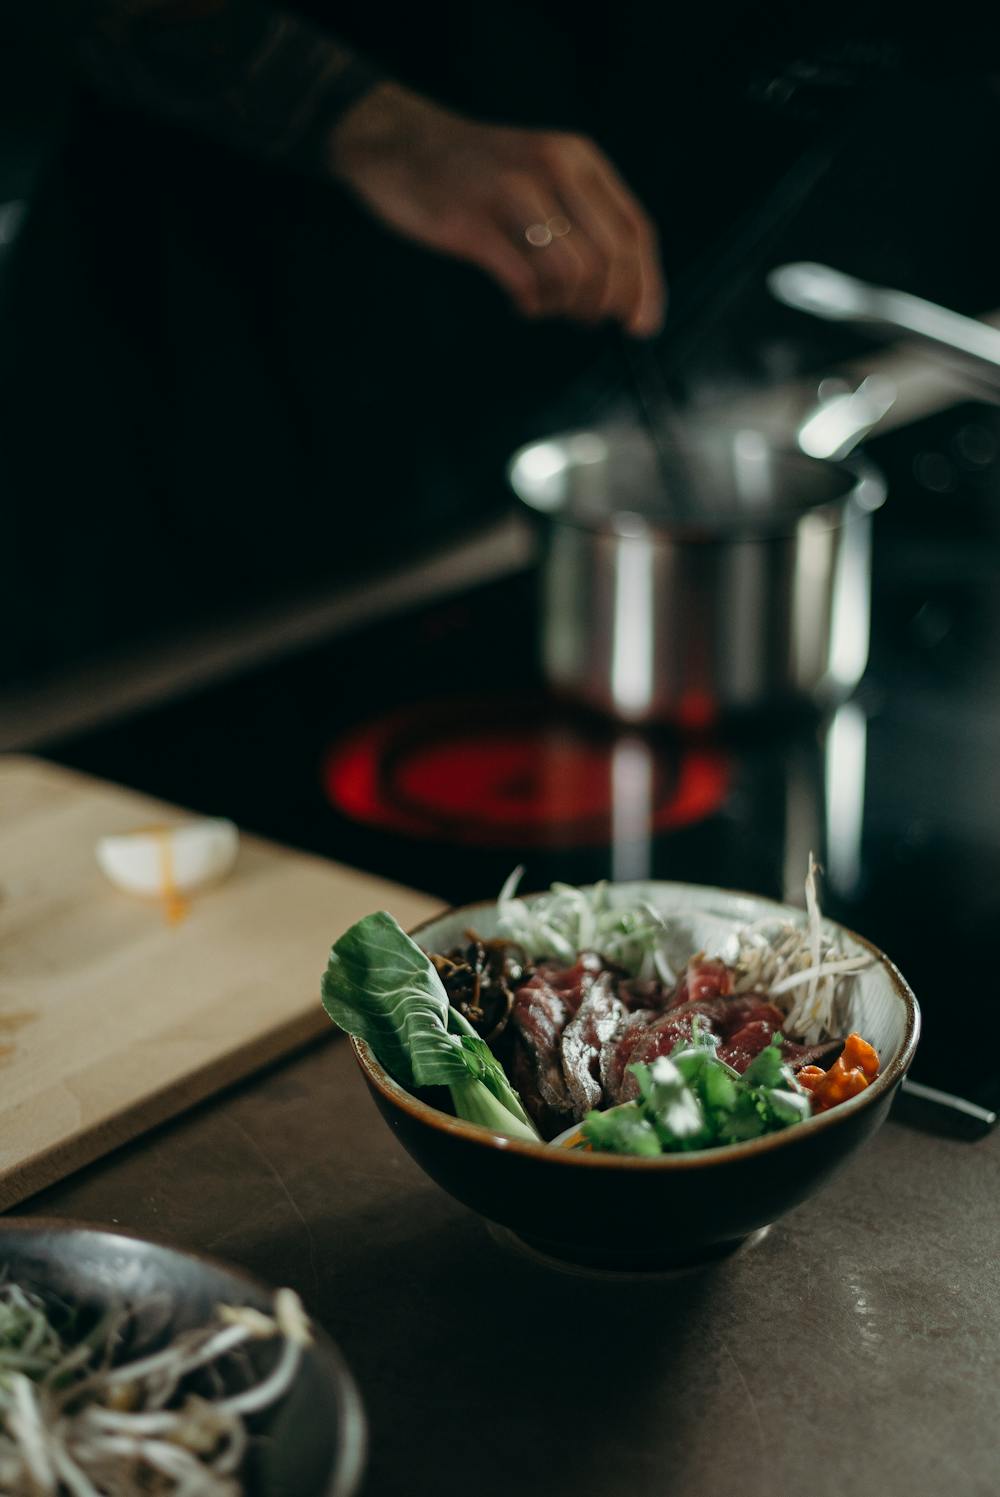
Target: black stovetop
[[425, 750]]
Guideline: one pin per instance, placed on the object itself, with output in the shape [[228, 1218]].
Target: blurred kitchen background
[[260, 556]]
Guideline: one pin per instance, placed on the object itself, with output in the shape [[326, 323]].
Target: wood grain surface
[[111, 1018]]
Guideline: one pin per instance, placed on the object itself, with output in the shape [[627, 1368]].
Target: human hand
[[542, 212]]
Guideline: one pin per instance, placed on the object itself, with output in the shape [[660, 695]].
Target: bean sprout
[[75, 1421], [795, 965]]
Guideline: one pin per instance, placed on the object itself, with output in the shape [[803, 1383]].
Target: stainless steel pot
[[747, 585]]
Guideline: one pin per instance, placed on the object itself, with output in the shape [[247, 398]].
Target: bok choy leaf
[[380, 987]]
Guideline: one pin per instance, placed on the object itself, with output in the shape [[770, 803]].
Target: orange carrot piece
[[858, 1053], [851, 1072]]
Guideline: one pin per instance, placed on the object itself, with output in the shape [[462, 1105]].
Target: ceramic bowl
[[627, 1213], [311, 1444]]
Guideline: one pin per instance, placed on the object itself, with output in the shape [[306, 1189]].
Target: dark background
[[222, 385], [220, 382]]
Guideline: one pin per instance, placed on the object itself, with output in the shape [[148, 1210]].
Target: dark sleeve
[[248, 74]]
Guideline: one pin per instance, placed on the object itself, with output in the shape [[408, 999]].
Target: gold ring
[[558, 227]]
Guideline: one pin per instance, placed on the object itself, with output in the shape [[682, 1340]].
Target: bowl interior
[[310, 1445], [703, 919]]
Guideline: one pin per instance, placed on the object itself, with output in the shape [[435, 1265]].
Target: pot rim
[[864, 493]]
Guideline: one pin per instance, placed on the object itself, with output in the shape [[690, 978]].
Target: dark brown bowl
[[628, 1213], [312, 1444]]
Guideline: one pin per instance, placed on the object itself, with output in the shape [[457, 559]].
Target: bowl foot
[[610, 1263]]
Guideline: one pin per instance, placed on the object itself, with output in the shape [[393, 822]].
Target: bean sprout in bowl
[[619, 1211], [129, 1365]]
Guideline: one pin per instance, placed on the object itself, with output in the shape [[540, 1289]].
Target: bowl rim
[[479, 1134], [345, 1476]]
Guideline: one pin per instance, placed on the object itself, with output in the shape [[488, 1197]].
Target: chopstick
[[660, 419], [704, 294], [697, 300], [968, 1117]]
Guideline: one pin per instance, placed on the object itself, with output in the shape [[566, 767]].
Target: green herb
[[381, 987], [622, 1130], [744, 1120], [693, 1100], [673, 1105], [768, 1068]]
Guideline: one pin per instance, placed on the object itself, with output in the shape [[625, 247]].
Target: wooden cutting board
[[112, 1019]]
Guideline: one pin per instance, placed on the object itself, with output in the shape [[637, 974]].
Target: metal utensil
[[836, 297], [943, 1111], [681, 491], [704, 294], [843, 419]]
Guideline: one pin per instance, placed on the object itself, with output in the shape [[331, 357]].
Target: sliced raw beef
[[659, 1038], [520, 1067], [542, 1009], [642, 993], [746, 1044], [704, 978], [750, 1008], [598, 1022], [618, 1054], [573, 982]]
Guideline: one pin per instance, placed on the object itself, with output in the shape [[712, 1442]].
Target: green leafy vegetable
[[672, 1104], [694, 1100], [743, 1121], [623, 1130], [381, 987], [768, 1068], [789, 1106]]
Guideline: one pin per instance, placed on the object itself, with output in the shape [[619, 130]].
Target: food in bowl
[[602, 1210], [587, 1012], [130, 1299], [81, 1416]]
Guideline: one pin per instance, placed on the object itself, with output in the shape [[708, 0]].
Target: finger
[[581, 268], [600, 209], [570, 269], [637, 294], [616, 286], [649, 309], [478, 241], [560, 268], [653, 305]]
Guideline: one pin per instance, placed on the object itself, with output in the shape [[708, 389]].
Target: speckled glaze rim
[[476, 1133], [352, 1452]]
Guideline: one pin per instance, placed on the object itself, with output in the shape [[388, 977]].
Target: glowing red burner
[[506, 774]]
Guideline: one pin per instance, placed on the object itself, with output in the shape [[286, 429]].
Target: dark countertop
[[854, 1348]]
